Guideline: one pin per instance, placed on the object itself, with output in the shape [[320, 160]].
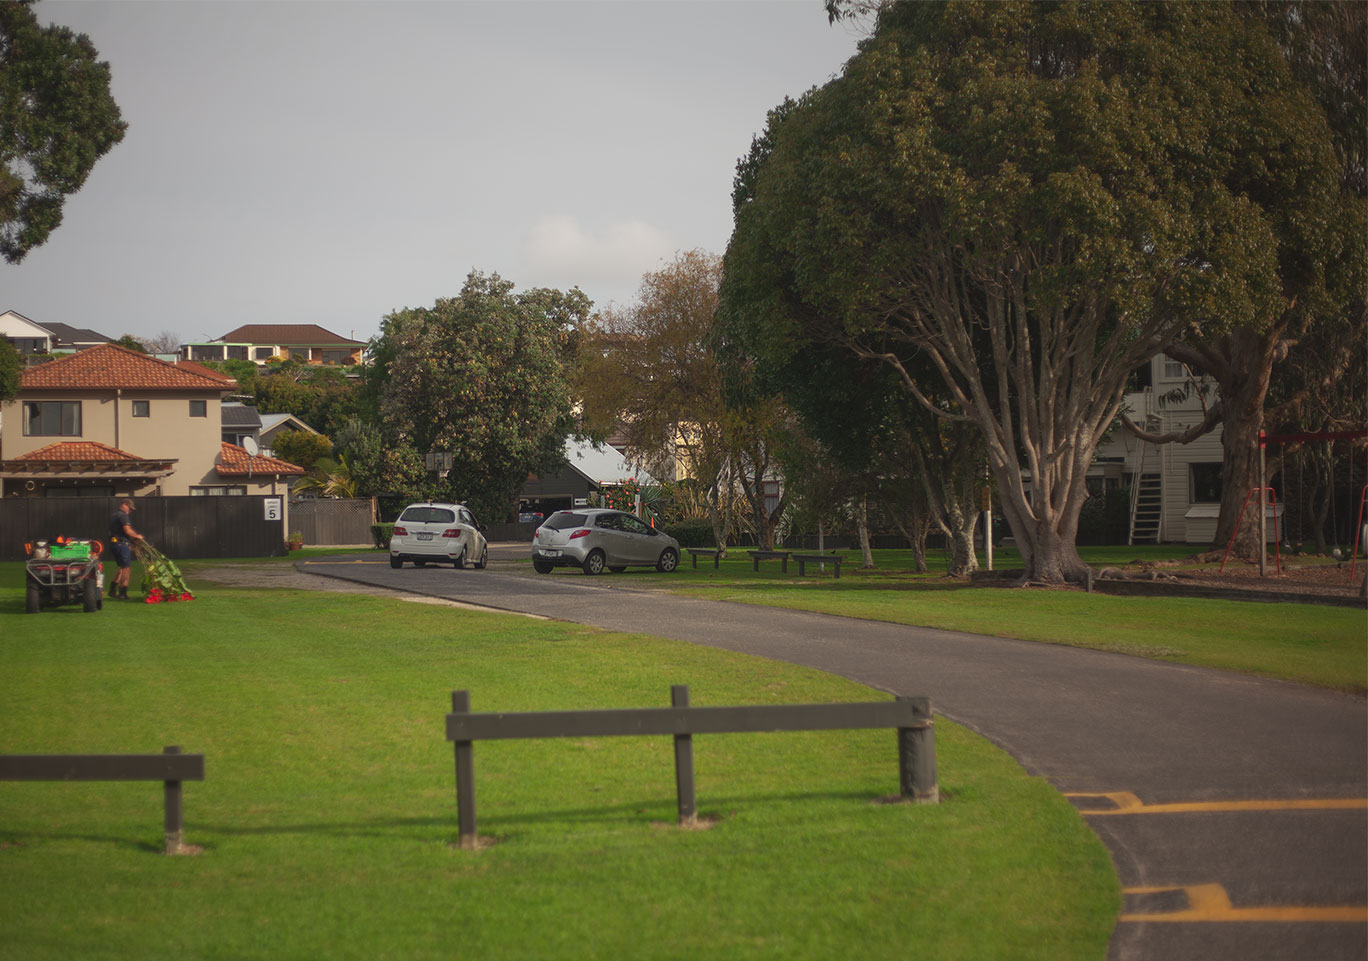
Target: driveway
[[1234, 808]]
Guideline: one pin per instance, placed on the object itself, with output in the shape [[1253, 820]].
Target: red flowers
[[157, 596]]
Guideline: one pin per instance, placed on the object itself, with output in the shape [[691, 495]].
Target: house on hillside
[[273, 425], [27, 336], [241, 425], [68, 338], [108, 421], [30, 337], [306, 343]]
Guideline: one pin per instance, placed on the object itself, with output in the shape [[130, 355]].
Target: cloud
[[608, 266]]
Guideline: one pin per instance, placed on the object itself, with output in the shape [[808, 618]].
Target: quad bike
[[64, 573]]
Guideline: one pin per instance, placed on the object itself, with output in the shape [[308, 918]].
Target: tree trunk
[[862, 525], [958, 526], [1321, 515], [1244, 387], [1055, 558]]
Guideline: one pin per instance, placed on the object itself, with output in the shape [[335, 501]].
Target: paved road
[[1231, 834]]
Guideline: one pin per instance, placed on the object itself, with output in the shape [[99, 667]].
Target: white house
[[27, 336], [1175, 488]]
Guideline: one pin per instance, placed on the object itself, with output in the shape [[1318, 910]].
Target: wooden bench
[[171, 767], [758, 556], [714, 552], [805, 559], [911, 716]]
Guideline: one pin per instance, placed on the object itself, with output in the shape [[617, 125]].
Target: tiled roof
[[236, 462], [82, 450], [110, 367], [286, 334]]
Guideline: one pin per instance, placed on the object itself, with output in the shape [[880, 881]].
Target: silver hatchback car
[[438, 534], [593, 539]]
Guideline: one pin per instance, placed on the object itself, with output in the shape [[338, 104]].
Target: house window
[[199, 408], [142, 408], [263, 353], [225, 490], [1205, 483], [52, 418], [1173, 369], [771, 494], [337, 357]]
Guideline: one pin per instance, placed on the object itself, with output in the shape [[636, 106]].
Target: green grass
[[1306, 643], [328, 815]]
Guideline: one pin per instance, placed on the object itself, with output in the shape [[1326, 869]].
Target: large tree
[[1288, 370], [1035, 199], [650, 376], [481, 375], [57, 117]]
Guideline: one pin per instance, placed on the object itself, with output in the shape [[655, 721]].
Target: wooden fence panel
[[329, 522], [180, 527]]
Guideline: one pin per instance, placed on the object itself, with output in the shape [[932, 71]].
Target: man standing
[[121, 537]]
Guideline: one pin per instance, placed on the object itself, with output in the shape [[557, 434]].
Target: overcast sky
[[329, 162]]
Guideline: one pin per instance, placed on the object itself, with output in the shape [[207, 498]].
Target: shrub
[[381, 534], [691, 533]]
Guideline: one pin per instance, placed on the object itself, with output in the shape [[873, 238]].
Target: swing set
[[1271, 498]]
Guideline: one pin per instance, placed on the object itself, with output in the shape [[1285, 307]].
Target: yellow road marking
[[1128, 803], [1210, 903]]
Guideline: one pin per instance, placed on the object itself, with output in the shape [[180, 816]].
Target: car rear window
[[427, 515], [564, 520]]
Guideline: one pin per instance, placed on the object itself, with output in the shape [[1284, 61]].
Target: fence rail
[[911, 716], [171, 767]]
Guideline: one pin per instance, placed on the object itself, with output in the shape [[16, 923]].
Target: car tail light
[[400, 531], [582, 532], [452, 532]]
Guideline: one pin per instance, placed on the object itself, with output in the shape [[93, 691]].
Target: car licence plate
[[425, 537], [550, 553]]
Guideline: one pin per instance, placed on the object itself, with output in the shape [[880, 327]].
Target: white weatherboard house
[[27, 336], [1175, 488]]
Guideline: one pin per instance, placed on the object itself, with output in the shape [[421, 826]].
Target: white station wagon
[[438, 534]]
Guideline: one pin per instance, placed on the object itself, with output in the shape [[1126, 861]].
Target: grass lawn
[[328, 814], [1307, 643]]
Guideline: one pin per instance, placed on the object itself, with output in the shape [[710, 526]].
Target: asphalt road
[[1238, 807]]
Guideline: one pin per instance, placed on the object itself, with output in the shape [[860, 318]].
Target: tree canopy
[[1033, 199], [57, 117], [649, 374], [482, 375], [11, 369]]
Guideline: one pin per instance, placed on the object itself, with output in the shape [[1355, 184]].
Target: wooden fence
[[331, 522], [911, 716], [171, 767], [180, 527]]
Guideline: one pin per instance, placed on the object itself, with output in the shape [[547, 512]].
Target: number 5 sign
[[273, 512]]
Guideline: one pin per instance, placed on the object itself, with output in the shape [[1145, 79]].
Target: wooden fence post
[[684, 766], [917, 756], [465, 777], [175, 826]]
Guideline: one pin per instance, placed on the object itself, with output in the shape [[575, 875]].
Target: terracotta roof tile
[[83, 450], [110, 367], [285, 335], [236, 462]]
